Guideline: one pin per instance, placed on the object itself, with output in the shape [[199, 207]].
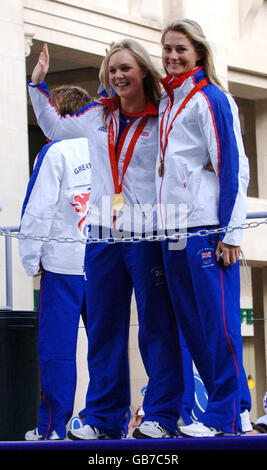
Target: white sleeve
[[239, 211], [221, 129], [39, 208]]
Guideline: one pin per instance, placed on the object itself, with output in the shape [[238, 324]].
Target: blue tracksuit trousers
[[206, 299], [112, 271], [61, 302], [189, 397]]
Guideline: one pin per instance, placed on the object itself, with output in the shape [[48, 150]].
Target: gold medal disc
[[118, 202]]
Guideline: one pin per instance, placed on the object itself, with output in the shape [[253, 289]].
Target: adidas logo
[[102, 129]]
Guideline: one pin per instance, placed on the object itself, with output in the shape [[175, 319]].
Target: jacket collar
[[170, 82], [113, 103]]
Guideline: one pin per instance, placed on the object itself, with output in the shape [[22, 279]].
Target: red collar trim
[[113, 103], [170, 82]]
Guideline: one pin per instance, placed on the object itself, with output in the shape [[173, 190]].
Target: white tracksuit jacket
[[207, 129], [139, 188], [56, 206]]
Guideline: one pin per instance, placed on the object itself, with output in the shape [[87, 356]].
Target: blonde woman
[[199, 124], [122, 134]]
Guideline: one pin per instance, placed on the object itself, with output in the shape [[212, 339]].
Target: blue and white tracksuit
[[205, 295], [114, 270], [55, 207]]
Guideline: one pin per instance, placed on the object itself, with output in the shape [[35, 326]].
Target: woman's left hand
[[227, 254]]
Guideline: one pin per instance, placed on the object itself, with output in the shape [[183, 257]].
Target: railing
[[9, 284], [8, 230], [8, 260]]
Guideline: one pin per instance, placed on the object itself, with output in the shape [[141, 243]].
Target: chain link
[[132, 239]]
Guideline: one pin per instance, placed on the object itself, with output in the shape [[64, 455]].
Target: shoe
[[75, 423], [245, 421], [198, 429], [33, 435], [55, 437], [151, 430], [86, 433], [260, 428]]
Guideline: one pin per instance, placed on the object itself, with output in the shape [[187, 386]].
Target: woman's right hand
[[41, 68]]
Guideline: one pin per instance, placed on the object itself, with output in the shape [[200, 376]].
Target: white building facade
[[77, 33]]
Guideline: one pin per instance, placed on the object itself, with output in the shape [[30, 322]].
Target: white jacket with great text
[[55, 208]]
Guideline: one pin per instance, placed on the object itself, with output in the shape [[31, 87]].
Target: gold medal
[[114, 156], [118, 202], [161, 168]]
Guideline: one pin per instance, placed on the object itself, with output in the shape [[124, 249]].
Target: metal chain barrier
[[15, 233]]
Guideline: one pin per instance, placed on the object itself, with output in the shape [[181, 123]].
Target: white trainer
[[54, 436], [198, 429], [33, 435], [245, 421], [86, 433], [151, 430]]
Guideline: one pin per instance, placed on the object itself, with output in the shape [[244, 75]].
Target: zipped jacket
[[139, 189], [206, 129], [55, 208]]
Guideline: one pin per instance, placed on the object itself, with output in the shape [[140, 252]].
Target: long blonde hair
[[151, 81], [193, 31]]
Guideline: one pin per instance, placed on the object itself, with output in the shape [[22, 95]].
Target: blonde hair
[[67, 99], [151, 81], [193, 31]]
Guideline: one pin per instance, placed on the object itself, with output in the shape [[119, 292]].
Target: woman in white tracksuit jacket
[[122, 134], [199, 125]]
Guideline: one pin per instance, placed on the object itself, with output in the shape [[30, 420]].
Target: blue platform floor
[[249, 450], [255, 442]]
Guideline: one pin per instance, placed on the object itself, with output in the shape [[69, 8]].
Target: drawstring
[[247, 275]]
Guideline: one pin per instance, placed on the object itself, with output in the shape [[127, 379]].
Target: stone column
[[14, 172], [261, 143], [172, 10]]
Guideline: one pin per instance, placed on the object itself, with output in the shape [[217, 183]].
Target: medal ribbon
[[112, 153], [196, 88]]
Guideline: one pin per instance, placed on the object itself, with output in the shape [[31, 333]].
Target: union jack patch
[[206, 257]]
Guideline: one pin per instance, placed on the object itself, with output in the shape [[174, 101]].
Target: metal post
[[8, 265], [9, 286]]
